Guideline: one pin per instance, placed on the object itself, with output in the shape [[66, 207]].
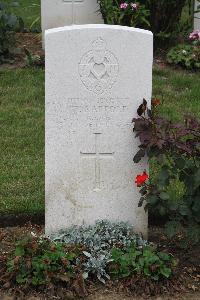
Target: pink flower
[[134, 6], [195, 35], [123, 5]]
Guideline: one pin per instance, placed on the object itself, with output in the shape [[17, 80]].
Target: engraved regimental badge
[[98, 68]]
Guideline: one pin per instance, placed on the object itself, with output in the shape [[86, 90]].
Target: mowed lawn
[[22, 141], [179, 90], [22, 129]]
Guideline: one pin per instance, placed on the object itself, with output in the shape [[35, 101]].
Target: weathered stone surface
[[197, 16], [57, 13], [96, 77]]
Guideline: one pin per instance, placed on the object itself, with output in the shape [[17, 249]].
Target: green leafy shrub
[[114, 12], [37, 261], [175, 147], [187, 56], [9, 23], [146, 261], [175, 195]]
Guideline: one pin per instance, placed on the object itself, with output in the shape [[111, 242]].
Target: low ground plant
[[38, 261], [106, 250], [34, 60], [99, 241], [146, 261], [187, 55]]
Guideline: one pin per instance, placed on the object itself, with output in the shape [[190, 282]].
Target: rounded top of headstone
[[97, 26]]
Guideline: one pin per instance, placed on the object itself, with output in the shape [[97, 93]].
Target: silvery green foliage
[[99, 239], [96, 264], [102, 235]]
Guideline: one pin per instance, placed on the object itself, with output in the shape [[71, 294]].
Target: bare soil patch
[[30, 41]]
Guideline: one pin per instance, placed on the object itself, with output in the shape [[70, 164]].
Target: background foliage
[[164, 17], [29, 11], [114, 15], [187, 56], [9, 24]]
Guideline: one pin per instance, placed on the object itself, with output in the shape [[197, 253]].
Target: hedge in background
[[163, 16], [9, 23]]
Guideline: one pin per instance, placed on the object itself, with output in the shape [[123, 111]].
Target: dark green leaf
[[141, 202], [166, 272], [164, 196], [172, 228], [139, 155]]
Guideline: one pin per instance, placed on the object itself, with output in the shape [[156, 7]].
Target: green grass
[[22, 129], [22, 141], [28, 10], [180, 92]]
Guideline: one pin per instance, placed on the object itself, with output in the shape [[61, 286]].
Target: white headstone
[[57, 13], [96, 77], [197, 16]]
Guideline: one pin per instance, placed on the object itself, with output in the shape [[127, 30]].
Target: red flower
[[140, 179]]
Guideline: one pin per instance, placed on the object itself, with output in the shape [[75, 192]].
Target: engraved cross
[[73, 3], [97, 156]]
